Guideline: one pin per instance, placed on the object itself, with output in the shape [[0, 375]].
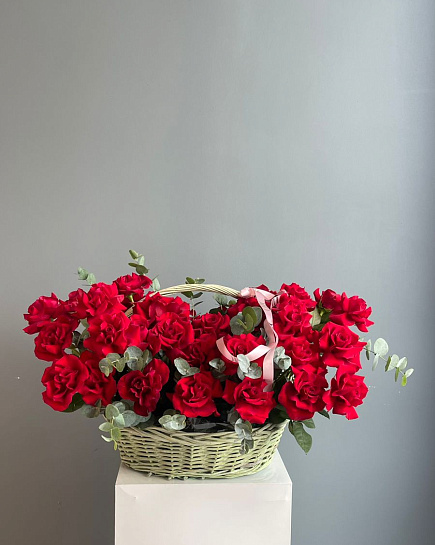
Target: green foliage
[[243, 429], [76, 403], [392, 363], [246, 321], [92, 411], [173, 421], [281, 360], [86, 275], [184, 368], [320, 317], [139, 263], [247, 368], [303, 438], [324, 413]]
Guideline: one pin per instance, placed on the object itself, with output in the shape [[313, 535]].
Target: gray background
[[245, 142]]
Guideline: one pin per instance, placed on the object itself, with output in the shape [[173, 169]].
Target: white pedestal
[[251, 510]]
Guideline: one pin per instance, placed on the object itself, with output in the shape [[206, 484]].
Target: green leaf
[[105, 426], [107, 439], [375, 361], [155, 284], [133, 352], [368, 347], [105, 366], [397, 374], [189, 280], [140, 269], [130, 419], [403, 362], [120, 405], [111, 412], [141, 260], [173, 421], [119, 420], [76, 403], [324, 413], [302, 437], [199, 280], [90, 411], [409, 372], [316, 318], [381, 347], [404, 380], [90, 279], [115, 434], [120, 365], [387, 365], [309, 423], [83, 273], [147, 356], [392, 362], [220, 299], [237, 325], [133, 254]]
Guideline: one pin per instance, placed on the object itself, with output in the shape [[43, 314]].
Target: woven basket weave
[[180, 454]]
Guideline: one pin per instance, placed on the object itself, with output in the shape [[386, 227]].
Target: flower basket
[[179, 454], [208, 395]]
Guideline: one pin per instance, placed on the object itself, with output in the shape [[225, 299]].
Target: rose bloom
[[144, 387], [347, 392], [250, 400], [62, 380], [346, 310], [299, 293], [291, 317], [41, 312], [216, 324], [134, 285], [100, 299], [175, 331], [155, 305], [200, 351], [107, 334], [240, 344], [340, 346], [54, 338], [301, 350], [303, 397], [97, 386], [194, 396]]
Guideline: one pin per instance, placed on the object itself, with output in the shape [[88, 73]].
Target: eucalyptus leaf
[[90, 279], [403, 362], [237, 324], [302, 437], [115, 434], [155, 284], [106, 426], [130, 419], [107, 439], [309, 423], [404, 380], [324, 413], [133, 254], [217, 364], [111, 412], [220, 299], [375, 361], [409, 372], [90, 411], [173, 422], [83, 273], [381, 347], [133, 352], [393, 362], [119, 420]]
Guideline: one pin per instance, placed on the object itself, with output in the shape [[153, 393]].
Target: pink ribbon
[[272, 339]]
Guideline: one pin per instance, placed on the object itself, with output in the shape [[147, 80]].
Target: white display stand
[[251, 510]]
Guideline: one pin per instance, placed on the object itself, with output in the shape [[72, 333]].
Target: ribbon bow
[[272, 339]]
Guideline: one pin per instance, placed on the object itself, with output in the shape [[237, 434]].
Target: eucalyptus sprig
[[86, 275], [119, 415], [394, 362], [190, 294], [138, 263]]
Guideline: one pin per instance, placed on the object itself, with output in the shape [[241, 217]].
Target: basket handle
[[214, 288]]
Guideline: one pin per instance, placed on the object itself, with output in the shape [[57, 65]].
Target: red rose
[[347, 392], [154, 305], [301, 351], [194, 395], [212, 323], [41, 312], [346, 310], [144, 387], [200, 351], [303, 397], [340, 346], [297, 292], [174, 330], [62, 380], [53, 338], [134, 285], [100, 299], [291, 316], [240, 344], [249, 399], [107, 334], [97, 386]]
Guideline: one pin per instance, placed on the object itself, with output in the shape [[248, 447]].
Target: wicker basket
[[179, 454]]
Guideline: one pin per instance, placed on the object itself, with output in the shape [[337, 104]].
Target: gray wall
[[246, 142]]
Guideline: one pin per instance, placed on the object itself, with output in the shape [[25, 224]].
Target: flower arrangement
[[141, 359]]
